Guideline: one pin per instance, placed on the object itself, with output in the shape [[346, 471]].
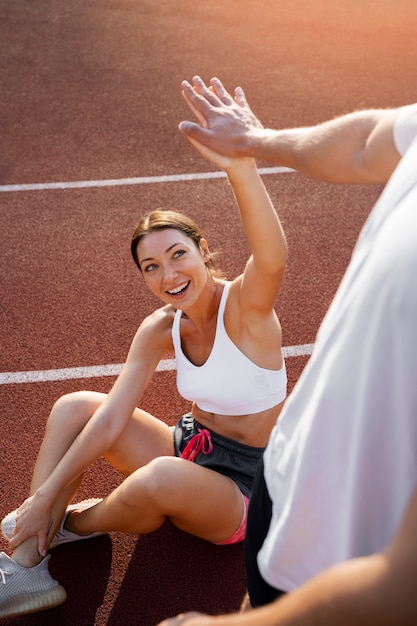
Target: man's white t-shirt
[[341, 463]]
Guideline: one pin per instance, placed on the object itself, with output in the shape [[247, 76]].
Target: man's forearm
[[359, 592], [356, 148], [378, 590]]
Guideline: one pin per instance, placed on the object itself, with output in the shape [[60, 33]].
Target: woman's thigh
[[144, 438], [197, 500]]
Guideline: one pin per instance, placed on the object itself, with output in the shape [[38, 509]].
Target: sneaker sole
[[34, 601]]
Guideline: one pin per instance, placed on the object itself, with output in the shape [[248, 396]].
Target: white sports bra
[[228, 383]]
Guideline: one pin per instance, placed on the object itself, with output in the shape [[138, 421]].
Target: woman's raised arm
[[265, 268]]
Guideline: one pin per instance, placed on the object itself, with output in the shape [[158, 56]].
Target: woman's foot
[[62, 535]]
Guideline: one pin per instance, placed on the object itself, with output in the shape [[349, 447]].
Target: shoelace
[[201, 442]]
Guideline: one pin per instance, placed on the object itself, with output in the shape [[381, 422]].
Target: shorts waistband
[[225, 442]]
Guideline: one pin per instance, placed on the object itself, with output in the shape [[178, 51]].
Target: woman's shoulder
[[155, 329], [152, 340], [160, 319]]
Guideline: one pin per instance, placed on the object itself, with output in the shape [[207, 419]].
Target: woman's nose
[[169, 273]]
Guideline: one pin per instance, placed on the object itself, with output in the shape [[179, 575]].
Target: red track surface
[[91, 90]]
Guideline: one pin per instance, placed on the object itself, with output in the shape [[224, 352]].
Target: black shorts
[[259, 519], [228, 457]]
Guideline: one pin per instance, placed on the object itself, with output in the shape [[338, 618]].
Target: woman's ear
[[204, 249]]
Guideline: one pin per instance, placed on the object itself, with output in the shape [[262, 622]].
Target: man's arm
[[355, 148], [379, 589]]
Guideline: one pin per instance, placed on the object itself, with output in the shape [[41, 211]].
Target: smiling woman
[[167, 257], [227, 342]]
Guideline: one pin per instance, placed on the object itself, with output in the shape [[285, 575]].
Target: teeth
[[178, 289]]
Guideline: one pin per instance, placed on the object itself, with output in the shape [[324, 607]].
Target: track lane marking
[[97, 371], [120, 182]]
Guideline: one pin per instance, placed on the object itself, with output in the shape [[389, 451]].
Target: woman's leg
[[144, 438], [191, 496]]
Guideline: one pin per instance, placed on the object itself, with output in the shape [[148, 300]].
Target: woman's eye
[[178, 253], [150, 268]]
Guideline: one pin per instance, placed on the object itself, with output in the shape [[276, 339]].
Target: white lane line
[[96, 371], [120, 182]]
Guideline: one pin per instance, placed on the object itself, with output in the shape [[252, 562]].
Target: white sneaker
[[62, 535], [27, 589]]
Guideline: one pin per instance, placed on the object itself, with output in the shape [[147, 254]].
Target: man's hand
[[224, 122]]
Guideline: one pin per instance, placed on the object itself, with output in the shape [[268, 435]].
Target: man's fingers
[[240, 97], [205, 92], [201, 88], [198, 93], [220, 91], [194, 96], [199, 104], [193, 106]]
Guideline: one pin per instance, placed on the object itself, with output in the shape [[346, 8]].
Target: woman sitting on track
[[226, 338]]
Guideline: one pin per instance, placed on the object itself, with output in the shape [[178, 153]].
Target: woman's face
[[173, 267]]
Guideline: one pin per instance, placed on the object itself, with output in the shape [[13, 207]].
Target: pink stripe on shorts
[[240, 533]]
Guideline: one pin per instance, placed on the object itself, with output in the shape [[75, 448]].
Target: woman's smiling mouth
[[178, 290]]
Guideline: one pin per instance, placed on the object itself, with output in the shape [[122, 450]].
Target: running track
[[90, 102]]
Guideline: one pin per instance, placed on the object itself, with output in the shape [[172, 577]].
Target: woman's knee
[[154, 482], [74, 409]]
